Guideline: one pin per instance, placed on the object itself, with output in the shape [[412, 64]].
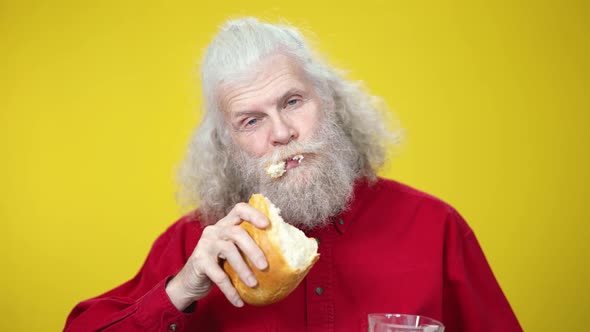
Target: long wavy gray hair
[[206, 179]]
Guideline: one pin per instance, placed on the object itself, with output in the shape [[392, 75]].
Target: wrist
[[177, 294]]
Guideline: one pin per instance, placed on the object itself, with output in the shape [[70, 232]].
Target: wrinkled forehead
[[276, 71]]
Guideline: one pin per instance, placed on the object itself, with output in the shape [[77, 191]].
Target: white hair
[[206, 177]]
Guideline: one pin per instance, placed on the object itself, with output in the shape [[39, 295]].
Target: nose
[[283, 131]]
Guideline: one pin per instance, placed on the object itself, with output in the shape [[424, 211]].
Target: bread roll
[[289, 253]]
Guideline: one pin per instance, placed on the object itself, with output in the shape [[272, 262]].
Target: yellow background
[[97, 101]]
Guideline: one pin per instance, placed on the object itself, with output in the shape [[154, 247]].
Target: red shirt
[[394, 250]]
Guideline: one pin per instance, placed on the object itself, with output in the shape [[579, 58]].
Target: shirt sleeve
[[474, 300], [140, 304]]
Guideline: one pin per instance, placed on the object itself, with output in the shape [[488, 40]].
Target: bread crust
[[276, 281]]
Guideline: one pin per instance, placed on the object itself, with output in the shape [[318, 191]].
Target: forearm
[[152, 312]]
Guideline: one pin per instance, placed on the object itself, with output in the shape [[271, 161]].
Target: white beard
[[320, 187]]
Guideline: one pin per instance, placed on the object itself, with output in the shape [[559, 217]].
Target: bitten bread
[[289, 253]]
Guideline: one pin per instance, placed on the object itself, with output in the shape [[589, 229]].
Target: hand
[[220, 241]]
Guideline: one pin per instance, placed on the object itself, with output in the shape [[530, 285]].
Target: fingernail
[[239, 303], [261, 263], [251, 281]]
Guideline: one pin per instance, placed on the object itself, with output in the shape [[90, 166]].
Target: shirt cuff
[[156, 312]]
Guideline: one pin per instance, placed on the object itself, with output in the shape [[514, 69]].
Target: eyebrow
[[289, 93], [239, 114]]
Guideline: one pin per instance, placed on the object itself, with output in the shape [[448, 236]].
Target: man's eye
[[251, 122], [292, 102]]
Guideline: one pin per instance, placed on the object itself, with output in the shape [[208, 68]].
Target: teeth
[[298, 157]]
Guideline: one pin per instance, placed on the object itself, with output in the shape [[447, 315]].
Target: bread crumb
[[276, 170]]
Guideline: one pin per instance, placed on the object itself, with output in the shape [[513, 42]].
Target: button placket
[[320, 301]]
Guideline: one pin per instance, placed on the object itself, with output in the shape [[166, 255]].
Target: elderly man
[[384, 246]]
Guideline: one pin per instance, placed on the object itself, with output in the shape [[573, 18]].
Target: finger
[[218, 276], [246, 244], [233, 257], [243, 211]]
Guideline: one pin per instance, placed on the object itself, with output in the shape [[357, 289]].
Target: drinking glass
[[384, 322]]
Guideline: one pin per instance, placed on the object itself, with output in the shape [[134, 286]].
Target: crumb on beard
[[276, 170]]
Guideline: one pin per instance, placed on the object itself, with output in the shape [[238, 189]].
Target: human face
[[278, 106], [308, 194]]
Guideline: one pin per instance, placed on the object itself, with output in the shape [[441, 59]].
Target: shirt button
[[340, 221], [319, 290], [172, 327]]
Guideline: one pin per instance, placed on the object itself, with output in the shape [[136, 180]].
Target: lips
[[290, 164], [293, 162]]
